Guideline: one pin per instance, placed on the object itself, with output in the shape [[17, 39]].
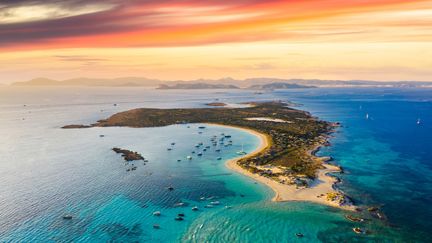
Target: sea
[[383, 146]]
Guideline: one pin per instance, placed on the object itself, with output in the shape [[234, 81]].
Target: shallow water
[[46, 172]]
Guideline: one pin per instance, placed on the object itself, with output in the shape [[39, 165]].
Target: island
[[128, 155], [216, 104], [197, 86], [280, 85], [285, 160]]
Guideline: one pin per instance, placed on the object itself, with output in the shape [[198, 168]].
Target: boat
[[418, 121], [157, 213], [299, 235], [179, 218], [156, 226], [219, 158], [172, 143], [170, 188], [215, 203], [179, 160], [241, 151], [228, 207], [201, 127], [181, 214], [227, 136], [101, 135], [199, 154], [189, 157], [195, 208], [169, 149], [180, 204], [367, 116], [67, 216], [202, 198], [217, 150], [209, 206], [358, 230]]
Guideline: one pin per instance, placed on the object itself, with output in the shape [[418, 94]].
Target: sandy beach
[[322, 185]]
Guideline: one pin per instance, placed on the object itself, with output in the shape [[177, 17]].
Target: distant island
[[272, 86], [285, 160], [197, 86], [216, 104], [251, 83]]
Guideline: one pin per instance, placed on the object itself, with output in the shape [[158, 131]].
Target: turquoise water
[[46, 172]]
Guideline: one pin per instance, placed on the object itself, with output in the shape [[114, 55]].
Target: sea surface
[[47, 172]]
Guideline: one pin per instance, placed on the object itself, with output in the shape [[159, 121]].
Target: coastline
[[321, 185]]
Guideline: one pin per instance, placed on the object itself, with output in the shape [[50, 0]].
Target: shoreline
[[321, 185]]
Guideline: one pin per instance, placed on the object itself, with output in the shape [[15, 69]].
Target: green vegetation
[[290, 140]]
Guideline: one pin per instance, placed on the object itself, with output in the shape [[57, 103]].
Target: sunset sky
[[325, 39]]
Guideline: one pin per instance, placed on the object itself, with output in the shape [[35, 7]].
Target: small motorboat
[[209, 206], [189, 157], [358, 230], [180, 204], [179, 218], [101, 136], [201, 127], [156, 226], [215, 203], [157, 213], [67, 216], [195, 208], [170, 188], [299, 234], [181, 214], [172, 143], [228, 207], [219, 158], [199, 154], [217, 150], [179, 160]]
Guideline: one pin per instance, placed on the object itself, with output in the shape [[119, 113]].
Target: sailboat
[[241, 151]]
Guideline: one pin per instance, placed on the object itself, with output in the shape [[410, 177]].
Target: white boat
[[157, 213], [215, 203], [241, 151], [367, 116], [189, 157], [418, 121]]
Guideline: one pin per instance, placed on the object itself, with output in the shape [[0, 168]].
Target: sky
[[383, 40]]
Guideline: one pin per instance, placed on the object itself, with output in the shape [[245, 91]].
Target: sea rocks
[[75, 126], [128, 155]]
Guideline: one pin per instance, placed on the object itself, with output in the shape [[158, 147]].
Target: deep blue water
[[387, 157], [46, 172]]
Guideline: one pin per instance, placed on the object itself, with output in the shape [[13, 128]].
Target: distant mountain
[[38, 82], [223, 83], [127, 81], [197, 86], [280, 86]]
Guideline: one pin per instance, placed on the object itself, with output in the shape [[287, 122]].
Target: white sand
[[321, 185]]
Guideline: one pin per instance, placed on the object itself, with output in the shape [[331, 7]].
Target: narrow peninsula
[[285, 161]]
